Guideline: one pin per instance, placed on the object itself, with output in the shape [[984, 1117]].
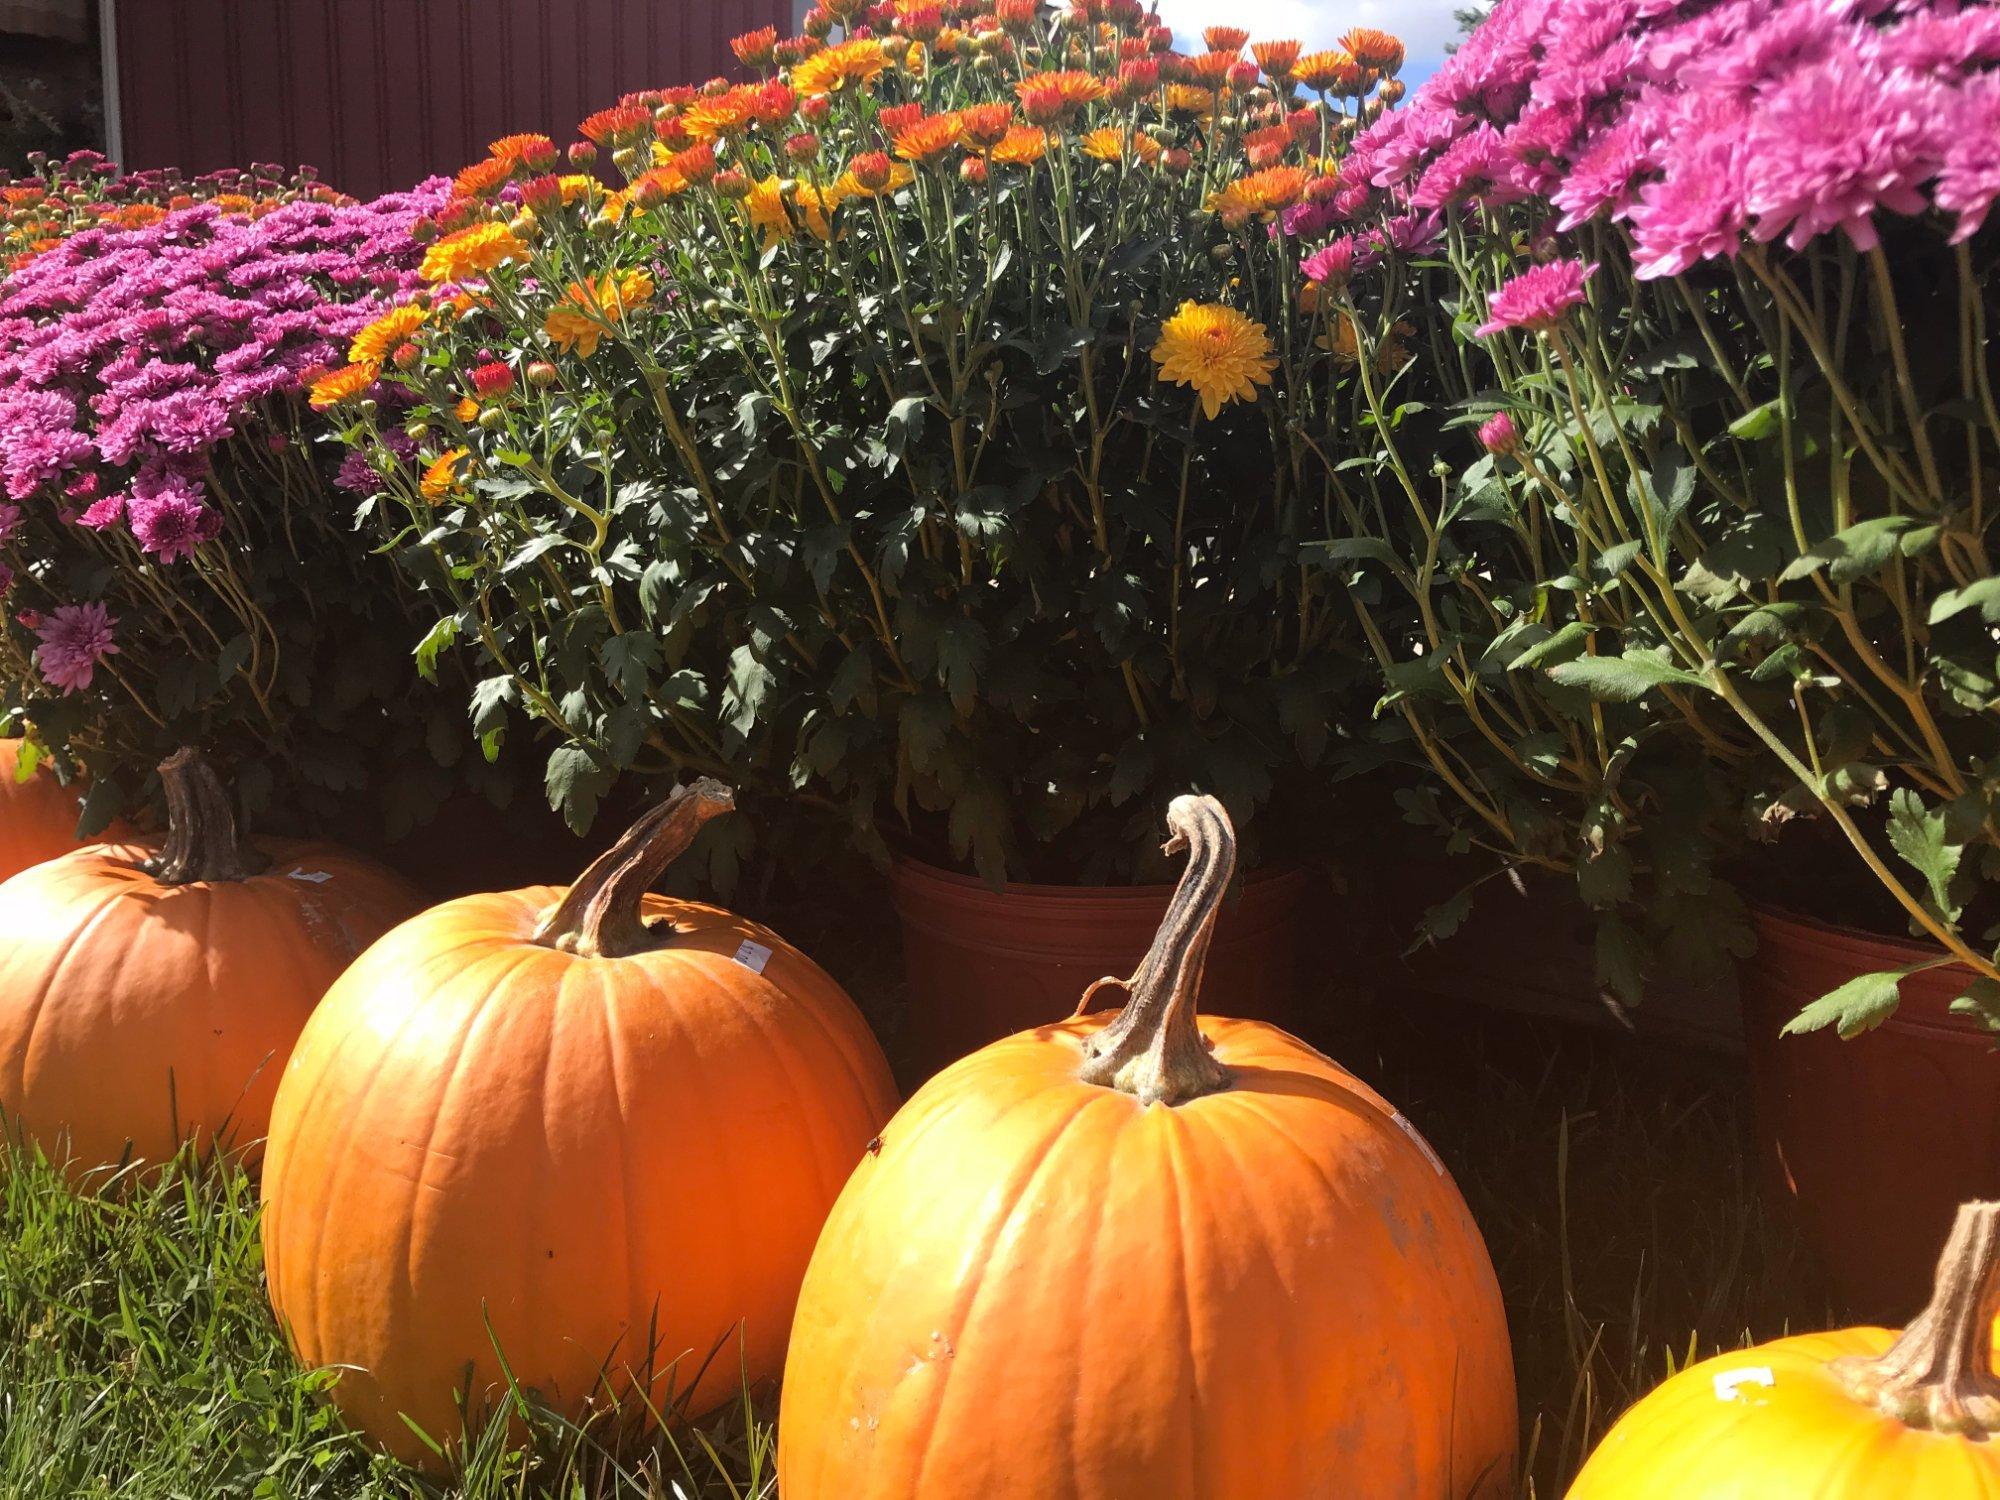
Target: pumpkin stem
[[1939, 1373], [1152, 1049], [600, 917], [202, 842]]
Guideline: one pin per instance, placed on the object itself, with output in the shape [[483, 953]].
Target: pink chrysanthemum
[[1498, 434], [75, 638], [1537, 299], [1835, 142], [169, 517], [1970, 180], [1333, 264]]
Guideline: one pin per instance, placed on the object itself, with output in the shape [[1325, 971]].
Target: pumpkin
[[1859, 1412], [150, 991], [1152, 1255], [593, 1133], [37, 814]]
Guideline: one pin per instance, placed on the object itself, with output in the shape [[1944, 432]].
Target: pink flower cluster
[[1698, 123], [131, 358]]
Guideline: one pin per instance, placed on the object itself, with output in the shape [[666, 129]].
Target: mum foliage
[[1682, 528], [913, 435], [177, 568]]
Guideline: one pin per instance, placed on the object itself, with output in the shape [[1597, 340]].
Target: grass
[[137, 1358]]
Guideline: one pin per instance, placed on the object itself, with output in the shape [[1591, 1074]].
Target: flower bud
[[582, 154], [732, 185], [542, 375]]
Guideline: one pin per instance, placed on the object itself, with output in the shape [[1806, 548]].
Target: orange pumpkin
[[1147, 1255], [596, 1129], [37, 814], [150, 992], [1856, 1414]]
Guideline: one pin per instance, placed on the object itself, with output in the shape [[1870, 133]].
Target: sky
[[1424, 25]]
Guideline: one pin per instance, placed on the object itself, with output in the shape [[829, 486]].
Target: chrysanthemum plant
[[1680, 524], [177, 564], [909, 436]]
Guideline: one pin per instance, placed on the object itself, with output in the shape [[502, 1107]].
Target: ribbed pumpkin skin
[[37, 816], [1039, 1287], [135, 1013], [1802, 1435], [476, 1128]]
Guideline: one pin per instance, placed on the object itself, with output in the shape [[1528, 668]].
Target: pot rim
[[1784, 916]]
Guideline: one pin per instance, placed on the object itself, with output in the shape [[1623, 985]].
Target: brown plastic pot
[[984, 964], [1877, 1139]]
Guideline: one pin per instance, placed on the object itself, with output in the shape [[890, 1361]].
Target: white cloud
[[1424, 25]]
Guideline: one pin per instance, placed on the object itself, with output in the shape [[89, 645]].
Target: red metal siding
[[379, 93]]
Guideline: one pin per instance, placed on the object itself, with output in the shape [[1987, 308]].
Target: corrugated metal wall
[[378, 93]]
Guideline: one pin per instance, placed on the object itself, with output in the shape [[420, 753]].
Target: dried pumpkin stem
[[1939, 1373], [202, 842], [600, 917], [1152, 1049]]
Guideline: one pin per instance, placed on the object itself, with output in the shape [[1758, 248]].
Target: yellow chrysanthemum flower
[[778, 221], [589, 309], [1218, 351], [851, 65], [338, 387], [467, 410], [1106, 143], [375, 343], [472, 251], [441, 476]]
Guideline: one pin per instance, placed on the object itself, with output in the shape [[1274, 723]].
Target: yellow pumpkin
[[592, 1133], [1856, 1414], [1150, 1257]]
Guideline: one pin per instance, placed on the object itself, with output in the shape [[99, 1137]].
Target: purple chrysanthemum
[[1970, 179], [75, 638]]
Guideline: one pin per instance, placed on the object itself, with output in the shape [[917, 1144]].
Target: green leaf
[[1360, 549], [576, 780], [490, 701], [1861, 1004], [1608, 564], [438, 639], [1606, 879], [1982, 594], [1862, 549], [1622, 679], [961, 654], [235, 652], [743, 695], [1565, 645], [26, 760], [1756, 425], [629, 660], [904, 424], [1921, 836], [1981, 1000], [1620, 960]]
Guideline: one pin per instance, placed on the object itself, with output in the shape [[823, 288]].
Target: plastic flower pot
[[984, 964], [1879, 1138]]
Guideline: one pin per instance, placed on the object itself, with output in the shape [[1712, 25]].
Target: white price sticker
[[1729, 1382], [753, 956], [311, 877]]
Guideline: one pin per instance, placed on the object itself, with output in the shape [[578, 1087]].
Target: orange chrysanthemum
[[1209, 70], [986, 125], [1047, 98], [1374, 49], [720, 117], [1229, 39], [620, 125], [1330, 72], [1277, 59], [467, 411], [472, 251], [1023, 146], [1186, 99], [928, 139], [374, 343], [233, 203], [339, 387], [850, 66], [527, 152], [1267, 146], [441, 476], [1264, 192], [778, 220], [481, 180], [1222, 354], [872, 175], [589, 309], [136, 215]]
